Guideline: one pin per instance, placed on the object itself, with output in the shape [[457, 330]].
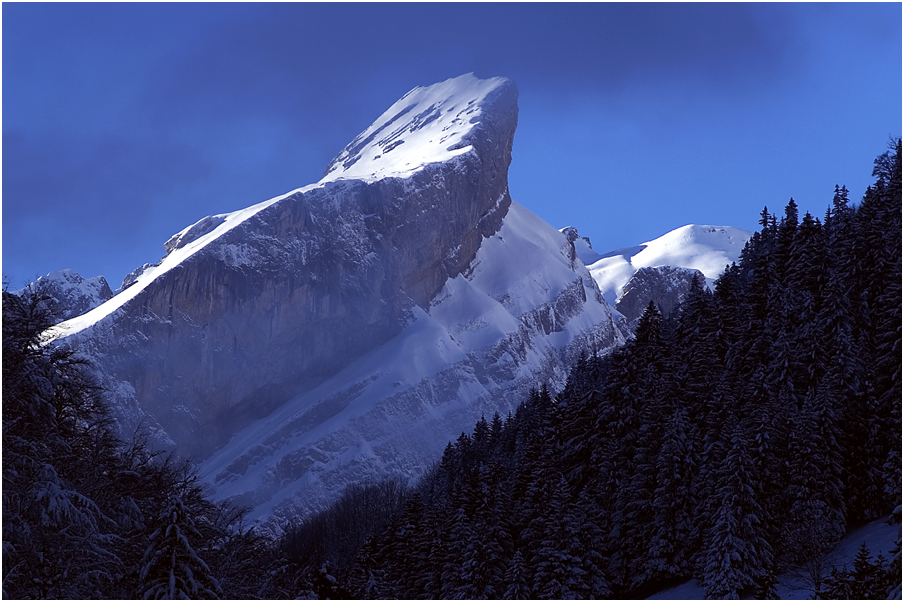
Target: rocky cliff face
[[666, 286], [349, 329], [518, 318], [290, 295], [287, 299]]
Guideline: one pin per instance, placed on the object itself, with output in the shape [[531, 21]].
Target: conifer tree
[[406, 552], [697, 337], [736, 556], [837, 586], [367, 577], [769, 419], [485, 556], [432, 551], [807, 275], [171, 567], [558, 572], [888, 170], [785, 237], [868, 579], [516, 579], [589, 515], [674, 533], [461, 534], [815, 518]]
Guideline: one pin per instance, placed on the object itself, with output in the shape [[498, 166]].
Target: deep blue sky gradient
[[124, 123]]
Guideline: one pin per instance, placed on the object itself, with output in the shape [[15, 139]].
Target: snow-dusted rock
[[708, 249], [70, 294], [198, 229], [432, 125], [349, 329], [666, 286], [582, 245], [131, 278]]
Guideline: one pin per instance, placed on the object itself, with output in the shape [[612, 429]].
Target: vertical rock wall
[[290, 296]]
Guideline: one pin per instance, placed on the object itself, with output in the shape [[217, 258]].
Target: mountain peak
[[700, 247], [69, 294], [345, 331], [427, 126], [430, 124], [250, 308]]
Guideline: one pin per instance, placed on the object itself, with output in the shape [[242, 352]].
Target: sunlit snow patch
[[427, 125], [701, 247]]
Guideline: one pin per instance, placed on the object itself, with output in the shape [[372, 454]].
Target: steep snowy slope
[[706, 248], [517, 319], [427, 125], [349, 329]]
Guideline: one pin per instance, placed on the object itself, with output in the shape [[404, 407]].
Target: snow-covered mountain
[[349, 329], [515, 320], [69, 294], [670, 261]]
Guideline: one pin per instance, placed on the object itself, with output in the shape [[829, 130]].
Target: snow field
[[427, 125], [706, 248]]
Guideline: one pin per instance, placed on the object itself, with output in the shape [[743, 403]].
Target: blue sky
[[124, 123]]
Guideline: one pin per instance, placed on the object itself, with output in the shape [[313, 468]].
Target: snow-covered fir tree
[[172, 569]]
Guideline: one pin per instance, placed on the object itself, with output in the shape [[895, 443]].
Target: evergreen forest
[[735, 436]]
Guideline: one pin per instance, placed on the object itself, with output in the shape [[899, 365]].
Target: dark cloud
[[125, 122], [302, 61], [298, 54]]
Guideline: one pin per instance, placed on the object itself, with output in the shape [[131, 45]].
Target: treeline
[[728, 441], [86, 516]]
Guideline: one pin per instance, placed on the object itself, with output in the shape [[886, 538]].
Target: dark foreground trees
[[87, 516]]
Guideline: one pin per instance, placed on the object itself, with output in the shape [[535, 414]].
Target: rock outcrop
[[708, 249], [517, 319], [666, 286], [69, 294]]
